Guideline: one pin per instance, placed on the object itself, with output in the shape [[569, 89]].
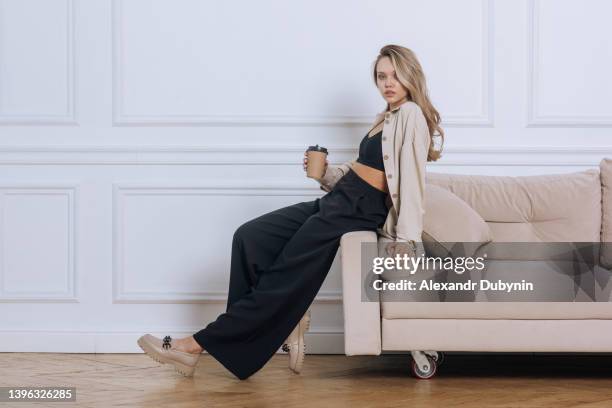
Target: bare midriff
[[372, 176]]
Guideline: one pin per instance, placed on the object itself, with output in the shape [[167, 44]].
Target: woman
[[280, 259]]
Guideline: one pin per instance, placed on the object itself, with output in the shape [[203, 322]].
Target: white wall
[[136, 135]]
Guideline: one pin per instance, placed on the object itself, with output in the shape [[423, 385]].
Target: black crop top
[[370, 151]]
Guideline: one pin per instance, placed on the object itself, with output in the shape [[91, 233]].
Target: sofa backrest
[[605, 169], [541, 208]]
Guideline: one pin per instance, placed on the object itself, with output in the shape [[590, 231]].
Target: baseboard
[[318, 341]]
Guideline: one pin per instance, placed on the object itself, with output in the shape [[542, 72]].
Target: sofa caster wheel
[[423, 365], [440, 358], [436, 355]]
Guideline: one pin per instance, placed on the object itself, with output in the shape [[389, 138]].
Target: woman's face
[[388, 85]]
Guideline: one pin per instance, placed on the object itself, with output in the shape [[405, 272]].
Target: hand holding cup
[[315, 162]]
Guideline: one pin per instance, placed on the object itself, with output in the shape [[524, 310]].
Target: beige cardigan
[[405, 145]]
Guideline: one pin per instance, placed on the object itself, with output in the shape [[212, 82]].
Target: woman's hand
[[305, 162], [401, 248]]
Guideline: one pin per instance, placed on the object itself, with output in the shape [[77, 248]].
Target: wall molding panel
[[483, 118], [534, 119], [69, 277], [46, 119], [235, 188]]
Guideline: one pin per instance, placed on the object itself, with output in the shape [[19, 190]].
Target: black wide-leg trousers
[[279, 262]]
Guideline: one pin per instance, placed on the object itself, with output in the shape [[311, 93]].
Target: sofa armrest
[[362, 328]]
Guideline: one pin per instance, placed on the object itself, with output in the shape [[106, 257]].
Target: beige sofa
[[572, 207]]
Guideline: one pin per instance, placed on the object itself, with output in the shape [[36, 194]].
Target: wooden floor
[[464, 380]]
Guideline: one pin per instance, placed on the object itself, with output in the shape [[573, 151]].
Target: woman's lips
[[389, 93]]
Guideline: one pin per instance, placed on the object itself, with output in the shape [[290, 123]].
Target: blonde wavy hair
[[410, 75]]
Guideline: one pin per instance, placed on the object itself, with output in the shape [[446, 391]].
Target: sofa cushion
[[450, 225]]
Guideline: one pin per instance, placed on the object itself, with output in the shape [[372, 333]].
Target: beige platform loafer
[[295, 345], [162, 352]]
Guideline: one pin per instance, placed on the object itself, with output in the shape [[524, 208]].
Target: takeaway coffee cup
[[316, 161]]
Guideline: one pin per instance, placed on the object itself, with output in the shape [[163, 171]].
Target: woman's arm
[[333, 173], [413, 157]]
